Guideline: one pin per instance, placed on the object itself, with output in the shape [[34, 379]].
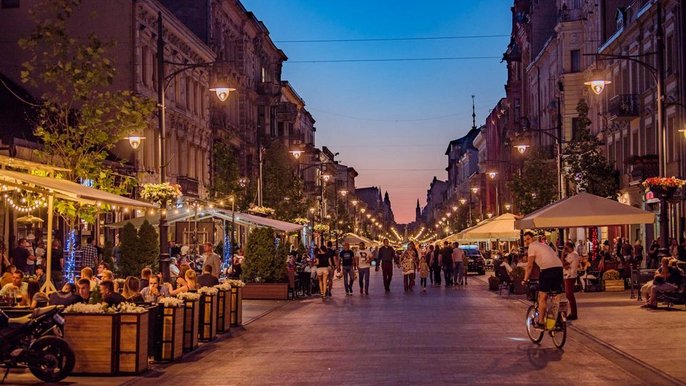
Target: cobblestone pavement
[[464, 335]]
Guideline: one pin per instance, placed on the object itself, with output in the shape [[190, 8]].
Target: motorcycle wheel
[[55, 359]]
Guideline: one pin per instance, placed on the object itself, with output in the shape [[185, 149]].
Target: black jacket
[[386, 254], [207, 280]]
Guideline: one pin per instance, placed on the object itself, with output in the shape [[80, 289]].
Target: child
[[423, 273]]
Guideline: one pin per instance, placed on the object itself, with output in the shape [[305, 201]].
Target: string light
[[37, 203], [70, 261]]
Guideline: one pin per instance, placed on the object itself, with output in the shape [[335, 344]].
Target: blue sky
[[392, 121]]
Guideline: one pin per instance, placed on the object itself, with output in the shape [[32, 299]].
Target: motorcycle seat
[[27, 318], [42, 311]]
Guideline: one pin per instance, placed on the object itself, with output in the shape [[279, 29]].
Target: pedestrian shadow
[[537, 357], [540, 357]]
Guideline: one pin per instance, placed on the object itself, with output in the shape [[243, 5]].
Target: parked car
[[477, 263]]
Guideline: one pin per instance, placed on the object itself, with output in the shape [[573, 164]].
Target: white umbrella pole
[[48, 287]]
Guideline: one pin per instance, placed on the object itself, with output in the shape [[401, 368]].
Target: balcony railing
[[189, 186], [624, 106], [286, 111], [642, 167], [268, 88]]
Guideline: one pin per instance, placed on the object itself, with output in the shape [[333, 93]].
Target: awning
[[584, 210], [174, 216], [68, 190], [501, 228]]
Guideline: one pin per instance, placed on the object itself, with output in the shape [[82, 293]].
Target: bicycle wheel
[[559, 333], [534, 334]]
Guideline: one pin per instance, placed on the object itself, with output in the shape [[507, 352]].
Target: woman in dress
[[408, 263]]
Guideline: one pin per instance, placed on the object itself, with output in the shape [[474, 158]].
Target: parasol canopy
[[584, 210]]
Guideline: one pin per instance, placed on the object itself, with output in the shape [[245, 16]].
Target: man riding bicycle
[[551, 276]]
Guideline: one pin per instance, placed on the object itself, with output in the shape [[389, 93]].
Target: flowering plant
[[664, 182], [83, 308], [301, 220], [235, 283], [262, 210], [128, 308], [208, 291], [321, 228], [188, 296], [171, 302], [161, 193], [223, 286]]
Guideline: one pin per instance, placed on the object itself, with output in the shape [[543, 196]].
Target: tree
[[283, 189], [78, 121], [262, 265], [149, 246], [536, 186], [586, 166], [226, 174], [128, 264]]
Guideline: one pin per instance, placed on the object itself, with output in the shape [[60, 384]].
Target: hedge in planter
[[262, 263]]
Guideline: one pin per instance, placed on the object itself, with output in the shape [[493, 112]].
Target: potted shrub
[[236, 301], [191, 316], [208, 313], [264, 268], [169, 333], [612, 281], [223, 307]]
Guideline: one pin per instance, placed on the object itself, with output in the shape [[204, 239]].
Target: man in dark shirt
[[20, 255], [84, 295], [386, 258], [446, 262], [207, 279], [347, 258], [108, 295]]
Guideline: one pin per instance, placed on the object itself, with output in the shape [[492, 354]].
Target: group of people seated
[[667, 280]]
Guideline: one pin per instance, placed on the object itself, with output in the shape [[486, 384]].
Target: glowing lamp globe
[[598, 85]]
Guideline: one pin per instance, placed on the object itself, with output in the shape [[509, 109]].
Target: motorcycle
[[35, 341]]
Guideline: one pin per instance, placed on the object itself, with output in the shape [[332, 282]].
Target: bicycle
[[555, 322]]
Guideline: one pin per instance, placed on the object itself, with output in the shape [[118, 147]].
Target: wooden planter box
[[236, 306], [614, 285], [191, 316], [132, 355], [224, 311], [170, 334], [265, 291], [208, 317], [93, 338]]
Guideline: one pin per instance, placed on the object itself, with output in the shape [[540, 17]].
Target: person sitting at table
[[35, 297], [108, 295], [145, 277], [154, 291], [87, 273], [207, 279], [131, 292], [64, 297], [190, 284], [18, 289], [181, 279], [101, 268], [84, 293], [7, 276], [667, 279]]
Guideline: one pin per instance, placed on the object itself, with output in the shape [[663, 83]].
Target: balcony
[[286, 112], [642, 167], [565, 14], [624, 107], [268, 88], [189, 186]]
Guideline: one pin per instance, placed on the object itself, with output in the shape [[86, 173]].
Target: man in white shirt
[[458, 265], [550, 278], [363, 260], [571, 266]]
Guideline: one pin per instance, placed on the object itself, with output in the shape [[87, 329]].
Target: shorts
[[550, 280]]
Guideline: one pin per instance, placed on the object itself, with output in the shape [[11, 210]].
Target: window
[[189, 93], [9, 4], [634, 143], [145, 66], [575, 128], [263, 75], [669, 47], [575, 56]]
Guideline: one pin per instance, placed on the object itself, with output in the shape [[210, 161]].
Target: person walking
[[386, 257], [570, 266], [323, 262], [333, 267], [427, 257], [408, 262], [435, 264], [347, 259], [423, 272], [363, 261], [458, 264], [446, 262]]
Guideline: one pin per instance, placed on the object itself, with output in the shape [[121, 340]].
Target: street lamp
[[492, 174], [521, 148], [462, 201], [658, 73], [222, 91], [508, 207], [296, 153]]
